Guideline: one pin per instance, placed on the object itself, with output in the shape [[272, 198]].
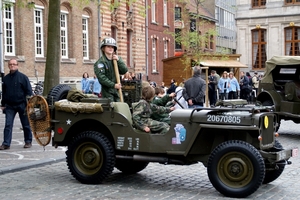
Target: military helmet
[[109, 42]]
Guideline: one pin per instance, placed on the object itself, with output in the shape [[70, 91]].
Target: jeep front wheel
[[236, 169], [90, 157], [130, 166]]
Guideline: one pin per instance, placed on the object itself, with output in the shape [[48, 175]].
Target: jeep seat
[[122, 108], [292, 91]]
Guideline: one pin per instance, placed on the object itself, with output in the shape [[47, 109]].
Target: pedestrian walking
[[16, 88], [194, 89], [105, 72]]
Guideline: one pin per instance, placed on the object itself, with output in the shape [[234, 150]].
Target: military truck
[[280, 87], [237, 143]]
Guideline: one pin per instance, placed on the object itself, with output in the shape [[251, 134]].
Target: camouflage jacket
[[105, 72], [142, 113], [164, 101]]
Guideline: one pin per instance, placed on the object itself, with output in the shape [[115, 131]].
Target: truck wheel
[[271, 173], [130, 166], [90, 157], [57, 93], [236, 169]]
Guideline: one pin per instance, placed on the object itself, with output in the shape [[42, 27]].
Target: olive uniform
[[142, 117], [105, 72]]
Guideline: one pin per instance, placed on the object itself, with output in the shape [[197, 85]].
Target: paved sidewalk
[[18, 158]]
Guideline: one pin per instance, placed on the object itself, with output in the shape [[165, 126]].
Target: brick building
[[82, 29]]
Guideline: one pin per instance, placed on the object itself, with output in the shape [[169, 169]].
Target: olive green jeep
[[280, 87], [237, 143]]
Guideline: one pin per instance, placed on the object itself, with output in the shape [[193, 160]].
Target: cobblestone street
[[54, 181]]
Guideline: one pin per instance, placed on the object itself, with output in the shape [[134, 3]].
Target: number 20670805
[[224, 118]]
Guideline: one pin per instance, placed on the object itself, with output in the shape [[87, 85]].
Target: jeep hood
[[278, 60]]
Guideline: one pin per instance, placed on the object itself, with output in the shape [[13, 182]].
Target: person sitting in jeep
[[142, 112]]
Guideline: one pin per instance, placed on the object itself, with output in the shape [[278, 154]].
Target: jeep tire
[[271, 173], [236, 169], [57, 93], [90, 157], [130, 166]]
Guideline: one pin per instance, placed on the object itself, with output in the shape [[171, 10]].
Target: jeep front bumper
[[280, 155]]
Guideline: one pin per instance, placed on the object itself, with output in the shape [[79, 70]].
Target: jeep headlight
[[266, 122]]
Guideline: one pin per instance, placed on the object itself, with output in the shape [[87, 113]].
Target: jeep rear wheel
[[273, 171], [90, 157], [130, 166], [236, 169]]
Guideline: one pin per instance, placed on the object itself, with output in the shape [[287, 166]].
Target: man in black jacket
[[16, 87], [194, 89]]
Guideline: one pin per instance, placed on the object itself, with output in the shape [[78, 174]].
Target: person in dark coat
[[16, 87], [172, 88]]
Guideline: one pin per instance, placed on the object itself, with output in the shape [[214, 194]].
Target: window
[[154, 63], [258, 3], [292, 1], [64, 35], [85, 37], [166, 47], [8, 31], [165, 12], [259, 44], [211, 42], [129, 49], [292, 41], [38, 31], [177, 38], [153, 11], [177, 13]]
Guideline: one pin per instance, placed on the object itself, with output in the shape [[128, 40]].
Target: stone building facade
[[265, 29]]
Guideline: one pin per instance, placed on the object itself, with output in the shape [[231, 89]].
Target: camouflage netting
[[80, 107]]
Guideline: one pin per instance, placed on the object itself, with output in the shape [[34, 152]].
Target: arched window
[[292, 41], [259, 44]]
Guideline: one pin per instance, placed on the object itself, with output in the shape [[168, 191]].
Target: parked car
[[280, 87]]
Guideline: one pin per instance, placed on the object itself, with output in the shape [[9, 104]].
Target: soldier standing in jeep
[[105, 72]]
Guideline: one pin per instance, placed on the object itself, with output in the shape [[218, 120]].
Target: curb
[[38, 163]]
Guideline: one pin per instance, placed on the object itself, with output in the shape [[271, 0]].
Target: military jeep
[[280, 87], [237, 143]]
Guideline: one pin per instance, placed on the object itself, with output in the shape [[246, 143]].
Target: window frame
[[260, 3], [165, 12], [293, 2], [294, 43], [154, 57], [6, 38], [64, 29], [39, 48], [153, 11], [260, 43], [85, 40]]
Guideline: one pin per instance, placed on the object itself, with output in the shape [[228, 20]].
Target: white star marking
[[69, 122]]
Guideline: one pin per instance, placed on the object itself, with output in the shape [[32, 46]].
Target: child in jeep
[[144, 109]]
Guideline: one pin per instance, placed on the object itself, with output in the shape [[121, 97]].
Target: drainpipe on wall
[[1, 47], [146, 31], [99, 28]]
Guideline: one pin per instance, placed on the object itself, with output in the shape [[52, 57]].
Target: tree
[[194, 33], [53, 47]]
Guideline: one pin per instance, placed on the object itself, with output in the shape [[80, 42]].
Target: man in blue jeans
[[16, 87]]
